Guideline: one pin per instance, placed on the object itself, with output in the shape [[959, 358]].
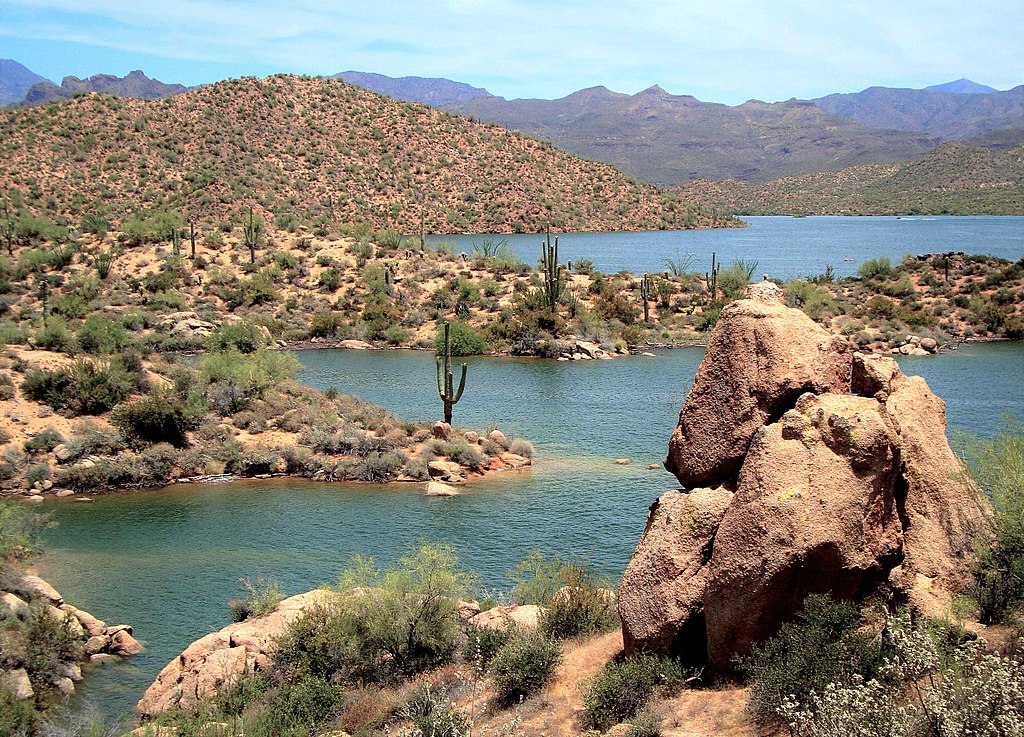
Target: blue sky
[[724, 51]]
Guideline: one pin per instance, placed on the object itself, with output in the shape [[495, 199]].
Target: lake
[[784, 247], [168, 561]]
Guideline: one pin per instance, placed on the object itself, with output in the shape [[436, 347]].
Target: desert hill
[[952, 179], [300, 149]]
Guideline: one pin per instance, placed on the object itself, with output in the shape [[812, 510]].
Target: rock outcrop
[[217, 660], [832, 474], [25, 597]]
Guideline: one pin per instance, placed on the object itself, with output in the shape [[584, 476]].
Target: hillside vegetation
[[953, 179], [315, 151]]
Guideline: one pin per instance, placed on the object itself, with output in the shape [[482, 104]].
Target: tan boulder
[[355, 345], [516, 616], [663, 587], [760, 358], [815, 512], [17, 682], [447, 471], [219, 658], [437, 488], [122, 643], [15, 605], [37, 588]]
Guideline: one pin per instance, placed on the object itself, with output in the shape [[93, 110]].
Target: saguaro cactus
[[711, 277], [251, 232], [554, 283], [445, 383], [646, 294]]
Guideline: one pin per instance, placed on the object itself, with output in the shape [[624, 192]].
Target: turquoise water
[[168, 560], [784, 247]]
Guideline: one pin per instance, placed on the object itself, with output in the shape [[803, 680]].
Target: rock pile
[[807, 468], [30, 596]]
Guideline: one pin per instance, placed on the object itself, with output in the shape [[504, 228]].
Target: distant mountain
[[669, 139], [15, 81], [948, 115], [134, 84], [317, 151], [963, 87], [433, 91], [951, 179]]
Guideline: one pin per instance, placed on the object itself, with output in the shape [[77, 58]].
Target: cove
[[168, 560]]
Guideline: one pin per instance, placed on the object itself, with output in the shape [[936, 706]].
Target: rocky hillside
[[133, 84], [953, 179], [315, 151], [669, 139]]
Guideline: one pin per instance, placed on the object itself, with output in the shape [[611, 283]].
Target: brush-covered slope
[[669, 139], [316, 150], [953, 179]]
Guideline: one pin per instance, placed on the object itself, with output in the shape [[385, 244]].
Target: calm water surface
[[784, 247], [168, 560]]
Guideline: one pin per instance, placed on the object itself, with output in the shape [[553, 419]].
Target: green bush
[[434, 714], [100, 335], [624, 688], [463, 340], [297, 708], [242, 336], [483, 643], [386, 625], [49, 644], [160, 417], [523, 666], [251, 375], [44, 441], [17, 718], [578, 602], [821, 646], [263, 598], [997, 465], [83, 388], [18, 529], [326, 324], [876, 268]]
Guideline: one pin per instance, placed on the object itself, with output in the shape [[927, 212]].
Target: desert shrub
[[251, 375], [159, 417], [387, 625], [17, 718], [6, 389], [154, 226], [242, 336], [101, 335], [483, 643], [821, 646], [263, 597], [521, 447], [707, 319], [83, 388], [580, 607], [465, 454], [623, 688], [434, 714], [614, 305], [326, 324], [643, 725], [44, 441], [379, 467], [55, 335], [330, 279], [49, 643], [18, 532], [523, 666], [815, 300], [997, 465], [733, 279], [876, 268], [297, 708]]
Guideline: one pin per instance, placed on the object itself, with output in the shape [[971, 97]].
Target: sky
[[722, 51]]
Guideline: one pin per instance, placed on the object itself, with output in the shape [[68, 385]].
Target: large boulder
[[662, 590], [760, 358], [835, 492], [216, 661]]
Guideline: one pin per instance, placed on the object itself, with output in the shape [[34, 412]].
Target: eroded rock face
[[217, 660], [834, 492], [663, 586], [761, 356]]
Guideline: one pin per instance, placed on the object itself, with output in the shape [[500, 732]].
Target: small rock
[[648, 354], [472, 437], [72, 671], [103, 658], [449, 471], [62, 453], [440, 430], [64, 492], [436, 488], [47, 484], [122, 643], [17, 606], [65, 685], [621, 461], [512, 460], [498, 437], [39, 589], [929, 344], [96, 644], [355, 345], [17, 682], [115, 628], [918, 352], [653, 466]]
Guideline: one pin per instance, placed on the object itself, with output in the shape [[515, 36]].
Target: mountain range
[[669, 140]]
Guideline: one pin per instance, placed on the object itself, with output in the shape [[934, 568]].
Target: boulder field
[[806, 468]]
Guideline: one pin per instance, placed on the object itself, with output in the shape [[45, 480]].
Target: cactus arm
[[462, 385], [440, 379]]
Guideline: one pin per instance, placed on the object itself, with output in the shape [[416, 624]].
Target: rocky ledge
[[91, 640], [807, 468]]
